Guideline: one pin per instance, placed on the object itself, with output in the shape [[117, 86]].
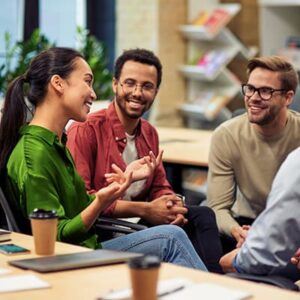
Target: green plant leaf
[[19, 55]]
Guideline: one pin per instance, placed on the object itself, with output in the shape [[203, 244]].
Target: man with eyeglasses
[[247, 151], [119, 135]]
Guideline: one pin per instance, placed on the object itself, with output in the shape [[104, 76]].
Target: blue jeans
[[169, 242]]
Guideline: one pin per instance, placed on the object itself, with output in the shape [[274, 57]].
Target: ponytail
[[60, 61], [14, 115]]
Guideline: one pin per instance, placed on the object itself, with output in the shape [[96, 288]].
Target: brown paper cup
[[144, 272], [44, 230]]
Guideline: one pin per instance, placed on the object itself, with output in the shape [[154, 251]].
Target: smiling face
[[264, 112], [133, 101], [78, 92]]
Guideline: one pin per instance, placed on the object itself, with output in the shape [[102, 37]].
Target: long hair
[[54, 61]]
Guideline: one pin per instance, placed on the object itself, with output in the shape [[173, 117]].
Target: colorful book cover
[[216, 20]]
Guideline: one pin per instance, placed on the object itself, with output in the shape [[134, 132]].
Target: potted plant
[[18, 56], [94, 52]]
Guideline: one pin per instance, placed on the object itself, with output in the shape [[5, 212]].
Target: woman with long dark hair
[[38, 170]]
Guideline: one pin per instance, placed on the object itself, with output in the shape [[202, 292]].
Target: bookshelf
[[210, 48], [210, 85]]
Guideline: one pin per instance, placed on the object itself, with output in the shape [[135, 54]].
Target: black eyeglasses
[[264, 92], [129, 86]]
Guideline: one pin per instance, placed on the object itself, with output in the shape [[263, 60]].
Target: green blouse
[[41, 174]]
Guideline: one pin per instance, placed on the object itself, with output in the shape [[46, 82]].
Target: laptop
[[74, 260]]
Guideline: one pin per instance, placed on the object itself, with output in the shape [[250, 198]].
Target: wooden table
[[89, 283], [183, 147]]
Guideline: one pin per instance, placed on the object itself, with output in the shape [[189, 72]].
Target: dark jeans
[[228, 242], [203, 232]]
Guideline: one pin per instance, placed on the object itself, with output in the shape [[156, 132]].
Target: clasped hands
[[240, 234], [167, 209]]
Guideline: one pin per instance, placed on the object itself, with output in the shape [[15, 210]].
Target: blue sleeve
[[275, 235]]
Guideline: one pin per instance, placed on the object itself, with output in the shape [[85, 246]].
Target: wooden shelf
[[210, 72], [202, 32], [210, 85]]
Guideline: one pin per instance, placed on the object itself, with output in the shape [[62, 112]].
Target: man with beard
[[118, 135], [247, 151]]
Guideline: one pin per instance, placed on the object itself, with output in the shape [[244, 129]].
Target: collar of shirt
[[118, 128], [47, 135]]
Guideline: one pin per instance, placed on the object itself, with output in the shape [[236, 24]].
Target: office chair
[[10, 219], [103, 223], [113, 225], [279, 281]]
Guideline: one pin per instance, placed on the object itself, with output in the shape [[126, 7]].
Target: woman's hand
[[106, 196], [117, 187], [141, 168]]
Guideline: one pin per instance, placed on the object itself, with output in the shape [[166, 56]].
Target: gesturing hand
[[121, 181], [141, 168]]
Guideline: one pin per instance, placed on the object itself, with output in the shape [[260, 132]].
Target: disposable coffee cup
[[44, 230], [144, 273]]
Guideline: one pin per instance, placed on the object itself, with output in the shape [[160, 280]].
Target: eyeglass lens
[[264, 92]]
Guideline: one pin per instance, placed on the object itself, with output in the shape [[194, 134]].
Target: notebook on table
[[73, 260]]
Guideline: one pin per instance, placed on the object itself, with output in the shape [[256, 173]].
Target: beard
[[264, 118], [122, 102]]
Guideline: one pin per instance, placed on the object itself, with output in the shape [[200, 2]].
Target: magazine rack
[[211, 47]]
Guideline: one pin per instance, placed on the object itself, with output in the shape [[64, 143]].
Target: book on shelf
[[4, 235], [217, 19], [201, 18], [293, 42], [210, 103], [212, 21], [211, 61]]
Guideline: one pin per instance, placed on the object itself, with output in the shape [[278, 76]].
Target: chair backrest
[[109, 228], [11, 221]]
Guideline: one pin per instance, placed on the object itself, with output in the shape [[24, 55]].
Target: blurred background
[[204, 45]]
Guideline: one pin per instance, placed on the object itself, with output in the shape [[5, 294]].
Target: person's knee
[[208, 213], [177, 233], [203, 216]]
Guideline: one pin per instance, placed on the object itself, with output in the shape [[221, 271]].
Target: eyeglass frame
[[259, 89], [136, 85]]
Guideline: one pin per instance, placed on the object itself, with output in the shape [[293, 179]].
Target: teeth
[[88, 104], [136, 102]]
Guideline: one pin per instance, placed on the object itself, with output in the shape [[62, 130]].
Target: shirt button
[[124, 140], [117, 138]]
